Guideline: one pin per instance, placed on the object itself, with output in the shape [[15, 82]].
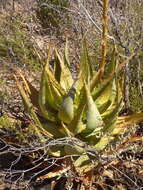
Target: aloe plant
[[86, 108]]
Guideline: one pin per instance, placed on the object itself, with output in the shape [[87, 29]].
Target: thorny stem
[[104, 37]]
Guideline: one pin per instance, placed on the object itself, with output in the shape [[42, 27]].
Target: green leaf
[[95, 80], [72, 149], [57, 70], [66, 111], [116, 102], [104, 88], [77, 125], [104, 141], [94, 119], [44, 106], [56, 151], [32, 92], [66, 80], [30, 110], [124, 122], [54, 93], [131, 119], [85, 69]]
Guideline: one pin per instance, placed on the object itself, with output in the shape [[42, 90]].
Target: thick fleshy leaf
[[131, 119], [66, 111], [110, 119], [115, 107], [72, 149], [84, 69], [125, 122], [66, 131], [26, 101], [57, 70], [56, 150], [103, 138], [66, 79], [53, 80], [30, 110], [110, 129], [77, 125], [32, 92], [102, 86], [95, 80], [103, 142], [54, 93], [44, 106], [78, 84], [93, 117], [104, 99], [83, 164], [117, 127]]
